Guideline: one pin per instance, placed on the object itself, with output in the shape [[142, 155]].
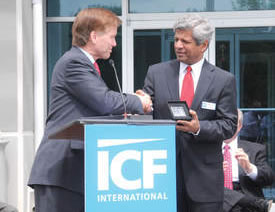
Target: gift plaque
[[179, 110]]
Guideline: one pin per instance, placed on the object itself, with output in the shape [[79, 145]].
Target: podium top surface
[[75, 129]]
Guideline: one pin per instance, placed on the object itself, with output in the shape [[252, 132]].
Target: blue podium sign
[[130, 168]]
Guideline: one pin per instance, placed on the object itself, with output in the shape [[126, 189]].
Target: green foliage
[[242, 5]]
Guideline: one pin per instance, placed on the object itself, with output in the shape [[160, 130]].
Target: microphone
[[112, 63]]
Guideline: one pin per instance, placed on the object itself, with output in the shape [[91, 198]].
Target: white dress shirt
[[196, 72]]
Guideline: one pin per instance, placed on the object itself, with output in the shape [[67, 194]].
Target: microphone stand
[[111, 62]]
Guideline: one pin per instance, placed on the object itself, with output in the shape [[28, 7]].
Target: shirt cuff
[[253, 175], [197, 133]]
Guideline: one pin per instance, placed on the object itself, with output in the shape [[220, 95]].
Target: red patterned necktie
[[97, 68], [187, 90], [228, 171]]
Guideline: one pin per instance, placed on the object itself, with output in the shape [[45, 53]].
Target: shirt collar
[[233, 144], [88, 55], [196, 68]]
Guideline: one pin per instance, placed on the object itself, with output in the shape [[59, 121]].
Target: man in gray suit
[[213, 107], [250, 174], [77, 90]]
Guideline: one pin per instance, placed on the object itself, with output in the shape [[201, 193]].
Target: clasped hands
[[192, 126], [145, 100]]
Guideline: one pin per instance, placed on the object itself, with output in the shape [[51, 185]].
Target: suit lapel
[[206, 77], [172, 79]]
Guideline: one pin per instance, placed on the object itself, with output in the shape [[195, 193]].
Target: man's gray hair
[[240, 116], [201, 28]]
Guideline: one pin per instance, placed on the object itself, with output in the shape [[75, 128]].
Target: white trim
[[40, 79], [45, 47], [219, 20], [125, 51], [59, 19], [253, 18], [211, 57], [20, 103], [258, 15], [15, 134], [130, 60]]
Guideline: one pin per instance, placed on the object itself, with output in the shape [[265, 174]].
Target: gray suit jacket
[[257, 156], [199, 158], [77, 91]]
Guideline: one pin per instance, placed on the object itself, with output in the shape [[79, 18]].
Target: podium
[[130, 164]]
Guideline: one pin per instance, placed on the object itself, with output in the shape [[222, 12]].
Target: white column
[[39, 71], [3, 171], [20, 107], [127, 64], [211, 52]]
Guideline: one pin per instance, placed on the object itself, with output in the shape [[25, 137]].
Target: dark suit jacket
[[77, 91], [257, 156], [199, 158]]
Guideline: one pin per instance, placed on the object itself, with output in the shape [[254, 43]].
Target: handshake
[[145, 100]]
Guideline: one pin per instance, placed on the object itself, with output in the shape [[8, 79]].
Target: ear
[[204, 46], [93, 36], [240, 126]]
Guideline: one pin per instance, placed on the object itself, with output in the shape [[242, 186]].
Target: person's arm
[[260, 172], [88, 88], [149, 84], [146, 101], [224, 125], [265, 176], [250, 169]]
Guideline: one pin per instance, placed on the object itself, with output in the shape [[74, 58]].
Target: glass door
[[249, 53]]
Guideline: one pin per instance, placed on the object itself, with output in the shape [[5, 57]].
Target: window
[[69, 8], [172, 6], [59, 40]]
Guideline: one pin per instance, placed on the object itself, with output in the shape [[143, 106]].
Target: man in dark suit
[[250, 174], [77, 90], [213, 108]]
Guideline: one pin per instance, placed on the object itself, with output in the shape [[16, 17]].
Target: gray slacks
[[57, 199]]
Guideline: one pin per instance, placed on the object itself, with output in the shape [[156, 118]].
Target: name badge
[[208, 105]]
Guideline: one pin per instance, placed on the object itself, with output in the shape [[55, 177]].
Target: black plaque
[[179, 110]]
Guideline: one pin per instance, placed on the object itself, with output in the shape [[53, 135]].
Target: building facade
[[36, 33]]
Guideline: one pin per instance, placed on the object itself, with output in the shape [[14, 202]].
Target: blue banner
[[130, 168]]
